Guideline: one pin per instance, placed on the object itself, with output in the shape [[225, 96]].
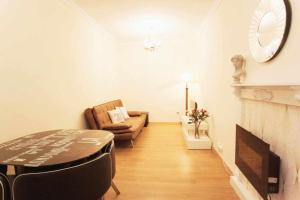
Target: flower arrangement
[[197, 116]]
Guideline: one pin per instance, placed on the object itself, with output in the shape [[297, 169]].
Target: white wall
[[55, 61], [285, 67], [151, 81], [225, 33], [219, 42]]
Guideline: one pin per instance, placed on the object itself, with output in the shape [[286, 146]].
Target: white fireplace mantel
[[288, 94]]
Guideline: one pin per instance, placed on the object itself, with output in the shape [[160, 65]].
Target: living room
[[60, 57]]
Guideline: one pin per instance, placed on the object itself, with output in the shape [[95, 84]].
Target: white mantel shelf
[[287, 94], [296, 86]]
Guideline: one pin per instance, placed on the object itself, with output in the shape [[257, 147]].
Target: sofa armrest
[[89, 117], [135, 113], [116, 127], [139, 113]]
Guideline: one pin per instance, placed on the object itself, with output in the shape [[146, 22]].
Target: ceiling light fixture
[[150, 43]]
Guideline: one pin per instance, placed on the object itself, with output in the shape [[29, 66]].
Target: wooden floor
[[159, 167]]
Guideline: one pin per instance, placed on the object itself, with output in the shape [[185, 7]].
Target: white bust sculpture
[[239, 65]]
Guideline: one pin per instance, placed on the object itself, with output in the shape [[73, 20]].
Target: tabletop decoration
[[197, 116]]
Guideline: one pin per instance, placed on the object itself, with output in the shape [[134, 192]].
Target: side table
[[203, 142]]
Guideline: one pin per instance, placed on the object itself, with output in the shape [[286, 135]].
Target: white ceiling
[[136, 19]]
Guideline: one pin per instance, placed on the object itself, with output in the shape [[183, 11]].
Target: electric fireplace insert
[[255, 160]]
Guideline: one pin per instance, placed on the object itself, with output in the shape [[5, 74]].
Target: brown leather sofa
[[98, 118]]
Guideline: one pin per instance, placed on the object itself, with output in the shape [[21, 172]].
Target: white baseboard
[[240, 189]]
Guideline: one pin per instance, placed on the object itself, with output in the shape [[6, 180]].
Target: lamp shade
[[186, 77]]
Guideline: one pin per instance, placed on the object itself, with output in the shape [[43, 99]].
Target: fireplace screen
[[252, 158]]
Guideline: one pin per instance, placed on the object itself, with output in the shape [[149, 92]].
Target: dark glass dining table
[[52, 150]]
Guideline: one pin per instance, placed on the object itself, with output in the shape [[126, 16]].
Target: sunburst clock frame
[[269, 29]]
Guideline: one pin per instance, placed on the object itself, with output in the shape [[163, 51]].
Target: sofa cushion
[[136, 122], [101, 116], [116, 116], [124, 112], [122, 131], [120, 126], [100, 112]]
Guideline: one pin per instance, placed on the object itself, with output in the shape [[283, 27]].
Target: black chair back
[[4, 188], [88, 181], [111, 150]]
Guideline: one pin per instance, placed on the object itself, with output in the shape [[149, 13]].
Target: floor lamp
[[186, 98], [186, 78]]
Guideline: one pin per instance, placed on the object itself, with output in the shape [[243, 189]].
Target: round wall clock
[[269, 29]]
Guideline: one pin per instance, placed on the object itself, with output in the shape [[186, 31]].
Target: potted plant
[[197, 116]]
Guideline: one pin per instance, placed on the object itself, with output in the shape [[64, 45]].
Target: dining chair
[[3, 169], [111, 150], [81, 182], [4, 188]]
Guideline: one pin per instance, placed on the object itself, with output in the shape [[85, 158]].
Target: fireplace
[[255, 160]]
